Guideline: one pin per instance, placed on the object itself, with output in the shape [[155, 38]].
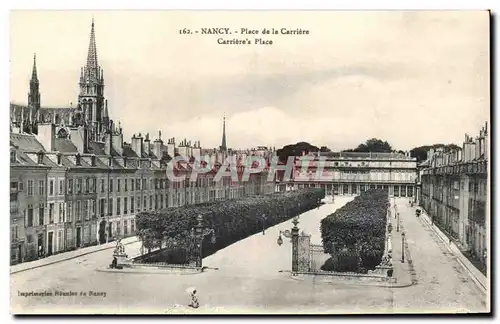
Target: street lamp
[[403, 235], [198, 233], [397, 229], [263, 216], [293, 234]]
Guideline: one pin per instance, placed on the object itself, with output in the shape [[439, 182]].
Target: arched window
[[62, 133]]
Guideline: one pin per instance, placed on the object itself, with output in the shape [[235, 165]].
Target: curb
[[69, 258], [150, 271], [471, 274]]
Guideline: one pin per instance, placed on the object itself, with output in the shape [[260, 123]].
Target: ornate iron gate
[[310, 256]]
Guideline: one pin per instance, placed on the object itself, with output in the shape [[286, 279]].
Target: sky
[[409, 78]]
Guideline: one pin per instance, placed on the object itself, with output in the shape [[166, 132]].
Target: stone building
[[455, 192], [349, 173], [74, 182]]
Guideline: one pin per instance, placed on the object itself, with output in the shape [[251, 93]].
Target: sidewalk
[[67, 255], [403, 271], [474, 273]]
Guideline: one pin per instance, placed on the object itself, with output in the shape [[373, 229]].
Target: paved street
[[248, 281], [443, 285]]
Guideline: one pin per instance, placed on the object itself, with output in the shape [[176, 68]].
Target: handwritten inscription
[[61, 293], [245, 35]]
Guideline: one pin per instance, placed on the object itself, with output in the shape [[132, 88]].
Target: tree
[[295, 150], [324, 149], [421, 152], [373, 145]]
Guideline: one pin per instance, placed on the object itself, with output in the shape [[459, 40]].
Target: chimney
[[147, 145], [157, 144], [79, 137], [47, 136], [108, 143], [171, 147], [136, 144], [117, 142]]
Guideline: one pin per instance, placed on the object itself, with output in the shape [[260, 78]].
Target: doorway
[[40, 245], [50, 243], [110, 232], [78, 237], [102, 232]]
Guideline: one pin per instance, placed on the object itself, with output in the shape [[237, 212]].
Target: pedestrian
[[40, 251], [194, 300]]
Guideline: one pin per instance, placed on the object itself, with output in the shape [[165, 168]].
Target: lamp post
[[397, 228], [198, 233], [263, 216], [293, 234], [403, 235]]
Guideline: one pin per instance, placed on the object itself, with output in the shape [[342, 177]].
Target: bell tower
[[34, 94], [91, 98]]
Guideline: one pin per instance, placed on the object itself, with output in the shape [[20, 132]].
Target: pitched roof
[[26, 142], [65, 145], [363, 155]]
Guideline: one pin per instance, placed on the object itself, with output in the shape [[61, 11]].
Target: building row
[[454, 190], [350, 173], [74, 182]]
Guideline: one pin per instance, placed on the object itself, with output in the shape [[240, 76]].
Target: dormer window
[[93, 161], [78, 159], [40, 157], [124, 162], [110, 161], [12, 156], [59, 157]]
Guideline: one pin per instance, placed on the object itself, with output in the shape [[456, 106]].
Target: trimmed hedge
[[232, 220], [357, 228]]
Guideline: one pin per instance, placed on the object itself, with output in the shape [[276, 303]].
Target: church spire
[[92, 66], [34, 94], [223, 145], [34, 76]]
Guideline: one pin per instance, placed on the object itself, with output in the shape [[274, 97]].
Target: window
[[62, 215], [118, 185], [138, 203], [156, 201], [30, 215], [12, 156], [110, 185], [70, 210], [29, 238], [86, 209], [118, 205], [151, 184], [151, 202], [125, 205], [125, 182], [41, 214], [78, 186], [87, 185], [144, 202], [51, 188], [144, 184], [78, 212], [51, 213], [92, 187], [61, 187], [132, 225], [161, 201], [138, 184], [110, 206], [125, 227], [132, 204], [118, 225], [102, 185], [92, 210], [101, 207], [70, 186], [131, 184]]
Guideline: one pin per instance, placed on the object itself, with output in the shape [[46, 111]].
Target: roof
[[65, 145], [364, 155], [26, 142], [96, 148]]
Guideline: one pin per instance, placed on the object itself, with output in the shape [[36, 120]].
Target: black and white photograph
[[178, 162]]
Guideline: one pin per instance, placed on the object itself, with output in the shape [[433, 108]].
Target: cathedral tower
[[34, 94], [223, 146], [91, 98]]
